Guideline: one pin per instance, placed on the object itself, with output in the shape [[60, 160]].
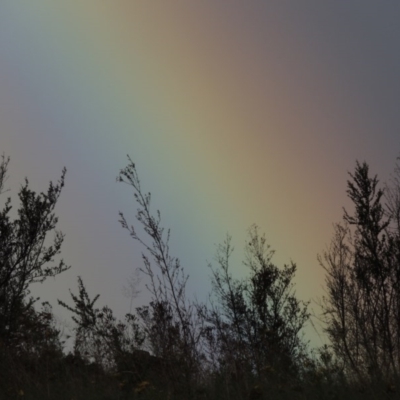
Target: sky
[[234, 113]]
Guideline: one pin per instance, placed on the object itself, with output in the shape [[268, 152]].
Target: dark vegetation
[[245, 343]]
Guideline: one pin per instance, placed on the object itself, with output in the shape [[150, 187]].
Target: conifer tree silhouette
[[362, 306]]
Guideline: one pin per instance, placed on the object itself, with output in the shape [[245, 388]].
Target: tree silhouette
[[362, 306], [170, 321], [245, 343], [257, 321], [24, 257]]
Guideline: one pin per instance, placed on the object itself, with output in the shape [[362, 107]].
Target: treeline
[[245, 343]]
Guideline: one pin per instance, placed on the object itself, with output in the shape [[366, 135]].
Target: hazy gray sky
[[239, 113]]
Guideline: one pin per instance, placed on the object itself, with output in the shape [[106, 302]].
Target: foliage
[[170, 321], [24, 258], [99, 337], [244, 344], [256, 321], [362, 307], [255, 325]]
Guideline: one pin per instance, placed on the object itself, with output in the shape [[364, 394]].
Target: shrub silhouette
[[99, 336], [27, 337], [244, 343], [255, 324]]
